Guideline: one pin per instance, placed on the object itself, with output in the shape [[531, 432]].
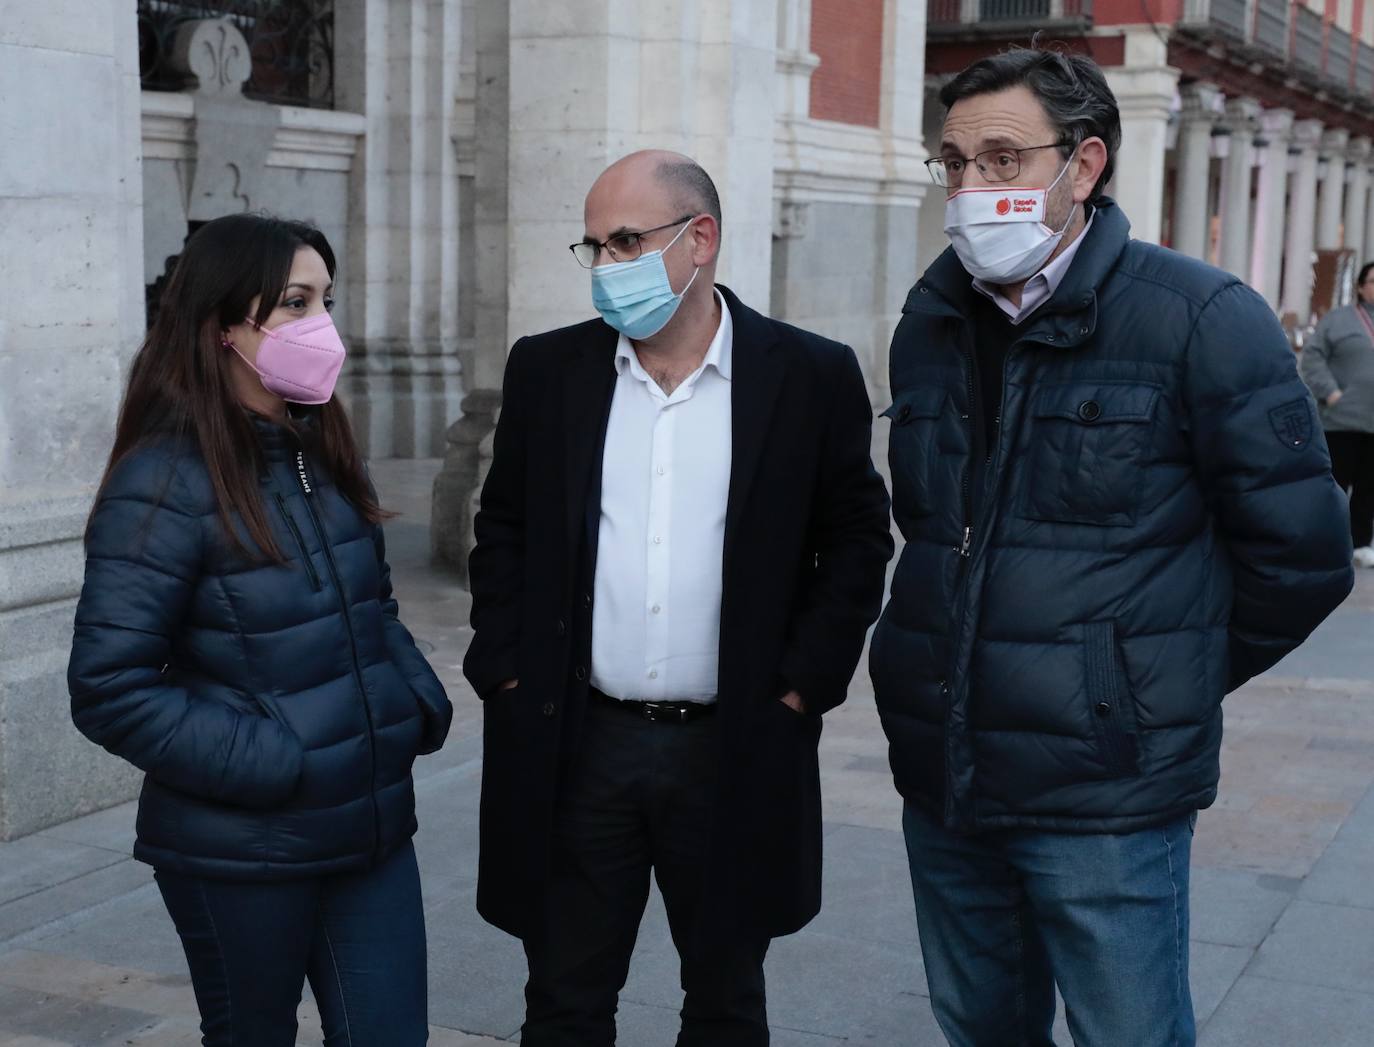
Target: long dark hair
[[180, 384]]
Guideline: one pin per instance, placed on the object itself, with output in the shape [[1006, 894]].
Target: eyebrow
[[308, 287], [619, 231], [993, 142]]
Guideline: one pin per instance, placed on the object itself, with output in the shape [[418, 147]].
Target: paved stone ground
[[1283, 901]]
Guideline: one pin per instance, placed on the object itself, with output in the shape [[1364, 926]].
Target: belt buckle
[[659, 711]]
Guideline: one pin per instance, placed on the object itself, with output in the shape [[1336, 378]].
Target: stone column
[[1357, 199], [397, 63], [1194, 167], [1144, 87], [796, 63], [1266, 254], [1332, 208], [1237, 177], [1302, 214], [71, 315], [1369, 224]]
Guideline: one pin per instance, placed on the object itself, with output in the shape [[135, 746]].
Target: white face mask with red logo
[[999, 232]]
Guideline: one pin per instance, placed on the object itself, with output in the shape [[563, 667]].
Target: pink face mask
[[299, 361]]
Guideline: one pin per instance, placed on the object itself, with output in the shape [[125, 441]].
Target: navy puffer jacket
[[276, 709], [1155, 524]]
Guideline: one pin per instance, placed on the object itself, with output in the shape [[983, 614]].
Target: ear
[[1089, 161], [705, 236]]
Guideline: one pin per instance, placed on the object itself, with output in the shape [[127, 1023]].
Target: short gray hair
[[691, 185]]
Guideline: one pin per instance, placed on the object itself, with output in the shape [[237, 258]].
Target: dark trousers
[[1352, 463], [638, 800], [359, 938]]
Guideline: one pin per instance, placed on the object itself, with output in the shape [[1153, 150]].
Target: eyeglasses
[[995, 165], [623, 247]]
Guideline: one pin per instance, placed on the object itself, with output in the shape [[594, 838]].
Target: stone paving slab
[[1283, 879]]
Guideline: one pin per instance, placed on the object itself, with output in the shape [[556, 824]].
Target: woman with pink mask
[[238, 641]]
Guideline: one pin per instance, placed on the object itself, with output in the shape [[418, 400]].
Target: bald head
[[672, 181]]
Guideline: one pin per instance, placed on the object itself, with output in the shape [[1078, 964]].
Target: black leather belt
[[657, 712]]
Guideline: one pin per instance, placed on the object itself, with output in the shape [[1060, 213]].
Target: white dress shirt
[[1039, 287], [665, 479]]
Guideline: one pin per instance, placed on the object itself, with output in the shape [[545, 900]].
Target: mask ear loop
[[695, 271], [1069, 220]]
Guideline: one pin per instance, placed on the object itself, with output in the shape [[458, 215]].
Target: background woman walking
[[1338, 366]]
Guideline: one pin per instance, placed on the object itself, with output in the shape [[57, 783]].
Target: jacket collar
[[1069, 317], [280, 441]]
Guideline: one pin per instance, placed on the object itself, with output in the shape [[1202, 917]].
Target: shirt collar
[[720, 353], [1039, 288]]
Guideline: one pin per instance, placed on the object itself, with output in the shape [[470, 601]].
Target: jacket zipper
[[308, 563], [309, 491], [962, 596], [970, 385]]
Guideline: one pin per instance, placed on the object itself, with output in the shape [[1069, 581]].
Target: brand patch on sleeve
[[1292, 424]]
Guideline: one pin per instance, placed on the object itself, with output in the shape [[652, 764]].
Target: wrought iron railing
[[1307, 41], [1231, 17], [291, 41], [1271, 25], [969, 14], [1364, 70], [1338, 44]]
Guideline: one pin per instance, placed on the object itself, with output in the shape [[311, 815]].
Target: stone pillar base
[[48, 771], [459, 482]]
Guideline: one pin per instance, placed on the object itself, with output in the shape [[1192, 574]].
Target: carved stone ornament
[[216, 53]]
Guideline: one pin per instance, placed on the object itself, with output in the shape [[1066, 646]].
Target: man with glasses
[[1338, 364], [680, 547], [1117, 507]]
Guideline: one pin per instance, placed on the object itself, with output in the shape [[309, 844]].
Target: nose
[[973, 177]]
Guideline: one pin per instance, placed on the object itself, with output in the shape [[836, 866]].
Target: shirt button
[[661, 470], [549, 709], [658, 540], [580, 673], [1103, 709], [653, 674], [561, 628], [1090, 410], [655, 608]]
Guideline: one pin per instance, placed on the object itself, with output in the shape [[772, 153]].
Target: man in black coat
[[1118, 507], [680, 547]]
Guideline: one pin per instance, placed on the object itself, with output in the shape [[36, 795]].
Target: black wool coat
[[275, 708], [1154, 524], [806, 543]]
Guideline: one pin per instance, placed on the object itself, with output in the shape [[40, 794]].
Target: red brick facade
[[848, 37]]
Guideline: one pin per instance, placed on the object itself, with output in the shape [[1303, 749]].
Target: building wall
[[847, 37], [843, 270], [71, 313]]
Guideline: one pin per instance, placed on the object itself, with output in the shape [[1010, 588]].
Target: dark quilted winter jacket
[[276, 709], [1158, 524]]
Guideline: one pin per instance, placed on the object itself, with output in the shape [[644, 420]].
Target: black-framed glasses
[[995, 165], [623, 247]]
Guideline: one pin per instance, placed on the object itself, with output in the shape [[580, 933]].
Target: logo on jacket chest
[[1292, 424]]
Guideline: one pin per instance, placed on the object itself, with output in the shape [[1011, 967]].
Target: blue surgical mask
[[636, 297]]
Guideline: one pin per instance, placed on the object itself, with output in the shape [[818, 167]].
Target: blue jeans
[[358, 937], [1007, 915]]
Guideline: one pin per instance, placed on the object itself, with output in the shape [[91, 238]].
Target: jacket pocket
[[912, 450], [1112, 708], [1088, 444]]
